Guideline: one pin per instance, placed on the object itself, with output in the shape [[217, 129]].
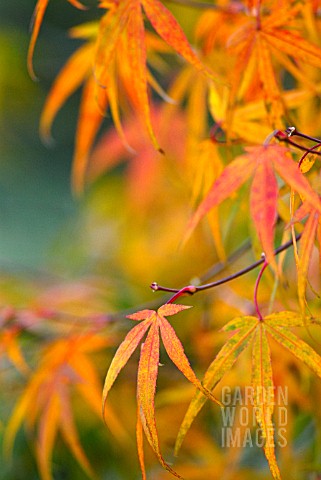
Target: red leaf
[[263, 202]]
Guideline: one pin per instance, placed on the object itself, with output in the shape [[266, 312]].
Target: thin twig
[[191, 289]]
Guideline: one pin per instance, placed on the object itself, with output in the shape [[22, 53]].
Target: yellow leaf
[[222, 363], [263, 395]]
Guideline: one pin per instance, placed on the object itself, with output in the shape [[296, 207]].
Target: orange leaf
[[47, 433], [167, 27], [93, 102], [292, 175], [111, 26], [136, 51], [230, 180], [272, 95], [68, 80], [140, 444], [70, 434], [124, 351], [146, 388], [36, 22], [176, 353], [294, 45]]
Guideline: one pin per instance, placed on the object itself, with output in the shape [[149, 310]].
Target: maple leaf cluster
[[217, 147]]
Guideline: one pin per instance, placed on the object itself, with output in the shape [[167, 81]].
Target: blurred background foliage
[[81, 257], [90, 257]]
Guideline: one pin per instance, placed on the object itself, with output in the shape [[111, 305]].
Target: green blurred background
[[36, 204]]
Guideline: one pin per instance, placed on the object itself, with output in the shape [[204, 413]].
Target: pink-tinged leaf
[[122, 355], [137, 58], [230, 180], [140, 444], [68, 80], [141, 315], [167, 27], [263, 205], [305, 254], [292, 175], [176, 353], [222, 363], [146, 389], [263, 395], [146, 380], [171, 309], [319, 241]]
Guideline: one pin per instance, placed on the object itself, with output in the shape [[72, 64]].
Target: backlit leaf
[[263, 204], [124, 352], [263, 395], [296, 346], [38, 15], [222, 363]]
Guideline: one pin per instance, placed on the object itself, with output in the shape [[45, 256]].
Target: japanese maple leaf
[[9, 346], [259, 43], [37, 18], [123, 24], [246, 331], [95, 98], [46, 404], [249, 121], [261, 162], [156, 324], [311, 231]]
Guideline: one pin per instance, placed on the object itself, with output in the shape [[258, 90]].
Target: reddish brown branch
[[191, 289]]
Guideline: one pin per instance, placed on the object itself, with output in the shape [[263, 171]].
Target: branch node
[[290, 131], [154, 286]]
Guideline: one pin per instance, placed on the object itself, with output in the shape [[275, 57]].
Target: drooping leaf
[[37, 18], [258, 159], [258, 45], [176, 353], [156, 322], [307, 241], [124, 352], [168, 28], [244, 329], [45, 404], [263, 395], [263, 202], [69, 79], [295, 345], [137, 59], [230, 180], [305, 253]]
